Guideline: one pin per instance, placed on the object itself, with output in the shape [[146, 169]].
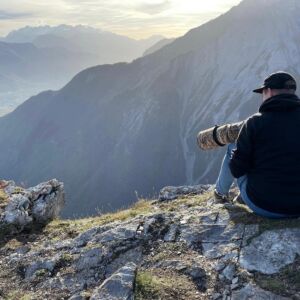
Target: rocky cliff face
[[182, 246]]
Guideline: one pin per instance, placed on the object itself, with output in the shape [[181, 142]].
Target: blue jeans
[[226, 179]]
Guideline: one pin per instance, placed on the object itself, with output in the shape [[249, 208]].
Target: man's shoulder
[[254, 122], [254, 117]]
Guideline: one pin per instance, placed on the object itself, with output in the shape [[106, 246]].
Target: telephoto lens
[[219, 135]]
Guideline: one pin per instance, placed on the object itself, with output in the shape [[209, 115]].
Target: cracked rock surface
[[183, 247], [119, 286], [271, 251], [21, 208]]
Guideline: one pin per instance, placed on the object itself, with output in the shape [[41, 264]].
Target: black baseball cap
[[278, 80]]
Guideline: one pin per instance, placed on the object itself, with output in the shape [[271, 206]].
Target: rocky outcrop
[[23, 208], [169, 193], [119, 286], [187, 248], [283, 244], [254, 292]]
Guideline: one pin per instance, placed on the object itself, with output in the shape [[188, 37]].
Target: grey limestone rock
[[36, 205], [119, 233], [119, 286], [211, 233], [229, 272], [82, 239], [77, 297], [90, 259], [222, 249], [198, 242], [134, 255], [171, 192], [252, 292], [271, 251], [48, 201], [172, 233], [47, 265]]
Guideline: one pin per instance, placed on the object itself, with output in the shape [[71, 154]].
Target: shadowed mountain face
[[117, 129]]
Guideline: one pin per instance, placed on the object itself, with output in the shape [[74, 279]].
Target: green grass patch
[[162, 284], [18, 190], [58, 227], [3, 199], [147, 285], [188, 200], [41, 273], [19, 295]]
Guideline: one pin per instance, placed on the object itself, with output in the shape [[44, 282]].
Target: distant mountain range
[[106, 46], [117, 129], [33, 59]]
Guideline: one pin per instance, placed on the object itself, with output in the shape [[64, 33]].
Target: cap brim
[[259, 90]]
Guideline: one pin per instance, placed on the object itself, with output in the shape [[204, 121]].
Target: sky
[[134, 18]]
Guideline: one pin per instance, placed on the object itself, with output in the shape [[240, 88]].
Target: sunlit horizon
[[138, 19]]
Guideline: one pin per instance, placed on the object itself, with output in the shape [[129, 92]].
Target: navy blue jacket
[[268, 151]]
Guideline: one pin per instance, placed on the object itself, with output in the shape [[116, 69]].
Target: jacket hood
[[283, 102]]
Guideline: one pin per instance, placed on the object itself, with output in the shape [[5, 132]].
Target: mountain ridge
[[117, 129]]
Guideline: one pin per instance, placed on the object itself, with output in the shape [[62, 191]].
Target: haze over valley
[[34, 59]]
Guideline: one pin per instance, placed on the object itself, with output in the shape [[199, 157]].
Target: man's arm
[[242, 157]]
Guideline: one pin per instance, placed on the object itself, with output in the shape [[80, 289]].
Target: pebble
[[221, 277], [216, 296], [229, 271], [220, 266], [235, 280], [234, 286]]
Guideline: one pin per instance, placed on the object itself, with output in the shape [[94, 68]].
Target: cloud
[[137, 19], [5, 15], [153, 8]]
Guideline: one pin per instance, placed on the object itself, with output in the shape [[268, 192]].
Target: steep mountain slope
[[158, 46], [117, 129]]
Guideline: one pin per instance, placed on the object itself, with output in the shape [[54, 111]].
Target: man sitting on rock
[[266, 156]]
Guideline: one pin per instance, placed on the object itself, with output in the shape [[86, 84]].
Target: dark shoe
[[220, 198]]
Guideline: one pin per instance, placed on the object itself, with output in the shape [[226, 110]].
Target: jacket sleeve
[[241, 160]]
